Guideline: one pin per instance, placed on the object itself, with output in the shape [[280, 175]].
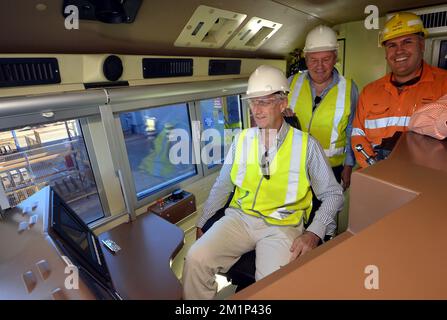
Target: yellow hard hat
[[401, 24]]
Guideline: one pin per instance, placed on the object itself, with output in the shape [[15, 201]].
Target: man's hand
[[304, 243], [199, 233], [288, 112], [346, 177]]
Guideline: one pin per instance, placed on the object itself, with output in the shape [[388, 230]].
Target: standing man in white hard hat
[[271, 168], [325, 101]]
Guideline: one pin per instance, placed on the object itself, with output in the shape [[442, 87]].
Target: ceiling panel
[[339, 11], [158, 24]]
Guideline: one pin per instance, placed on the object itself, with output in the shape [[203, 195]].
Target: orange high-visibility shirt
[[382, 111]]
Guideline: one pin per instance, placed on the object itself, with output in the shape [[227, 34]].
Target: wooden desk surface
[[398, 216], [141, 270]]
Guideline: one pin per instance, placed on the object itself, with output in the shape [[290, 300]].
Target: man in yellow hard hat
[[386, 105], [325, 101], [271, 168]]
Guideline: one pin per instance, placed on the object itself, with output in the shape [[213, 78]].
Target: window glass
[[150, 136], [442, 63], [223, 115], [51, 154]]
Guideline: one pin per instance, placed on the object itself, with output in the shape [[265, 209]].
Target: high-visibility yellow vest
[[285, 198], [329, 121]]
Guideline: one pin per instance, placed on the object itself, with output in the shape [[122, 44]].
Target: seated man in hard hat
[[386, 105], [271, 168], [325, 101]]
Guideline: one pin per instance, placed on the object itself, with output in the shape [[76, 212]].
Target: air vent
[[162, 68], [223, 67], [435, 19], [16, 72], [95, 85]]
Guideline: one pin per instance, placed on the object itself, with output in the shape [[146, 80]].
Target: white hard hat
[[321, 38], [266, 80]]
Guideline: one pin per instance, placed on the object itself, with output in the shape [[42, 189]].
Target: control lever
[[369, 160], [177, 194]]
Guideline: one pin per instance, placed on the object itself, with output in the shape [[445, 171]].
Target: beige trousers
[[223, 244]]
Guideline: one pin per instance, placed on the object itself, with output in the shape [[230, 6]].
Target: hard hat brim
[[259, 94], [320, 49], [397, 35]]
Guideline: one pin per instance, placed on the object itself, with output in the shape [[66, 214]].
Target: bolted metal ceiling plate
[[209, 27], [254, 34]]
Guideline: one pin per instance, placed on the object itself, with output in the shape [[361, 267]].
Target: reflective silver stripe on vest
[[290, 79], [281, 213], [244, 153], [294, 176], [297, 89], [357, 132], [294, 169], [339, 110], [387, 122]]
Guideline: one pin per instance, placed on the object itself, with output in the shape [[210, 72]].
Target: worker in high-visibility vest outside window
[[387, 104], [271, 168], [324, 101]]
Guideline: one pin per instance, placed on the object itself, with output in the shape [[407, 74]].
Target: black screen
[[79, 235], [80, 243]]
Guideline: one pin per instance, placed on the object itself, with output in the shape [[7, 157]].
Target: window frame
[[207, 171], [95, 169], [28, 110], [434, 52], [70, 115], [123, 161]]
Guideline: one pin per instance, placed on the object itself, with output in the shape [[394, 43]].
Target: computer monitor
[[81, 245]]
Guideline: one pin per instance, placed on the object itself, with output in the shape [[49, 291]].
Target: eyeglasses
[[263, 103]]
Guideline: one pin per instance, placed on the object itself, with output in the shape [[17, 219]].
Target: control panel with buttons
[[174, 207]]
